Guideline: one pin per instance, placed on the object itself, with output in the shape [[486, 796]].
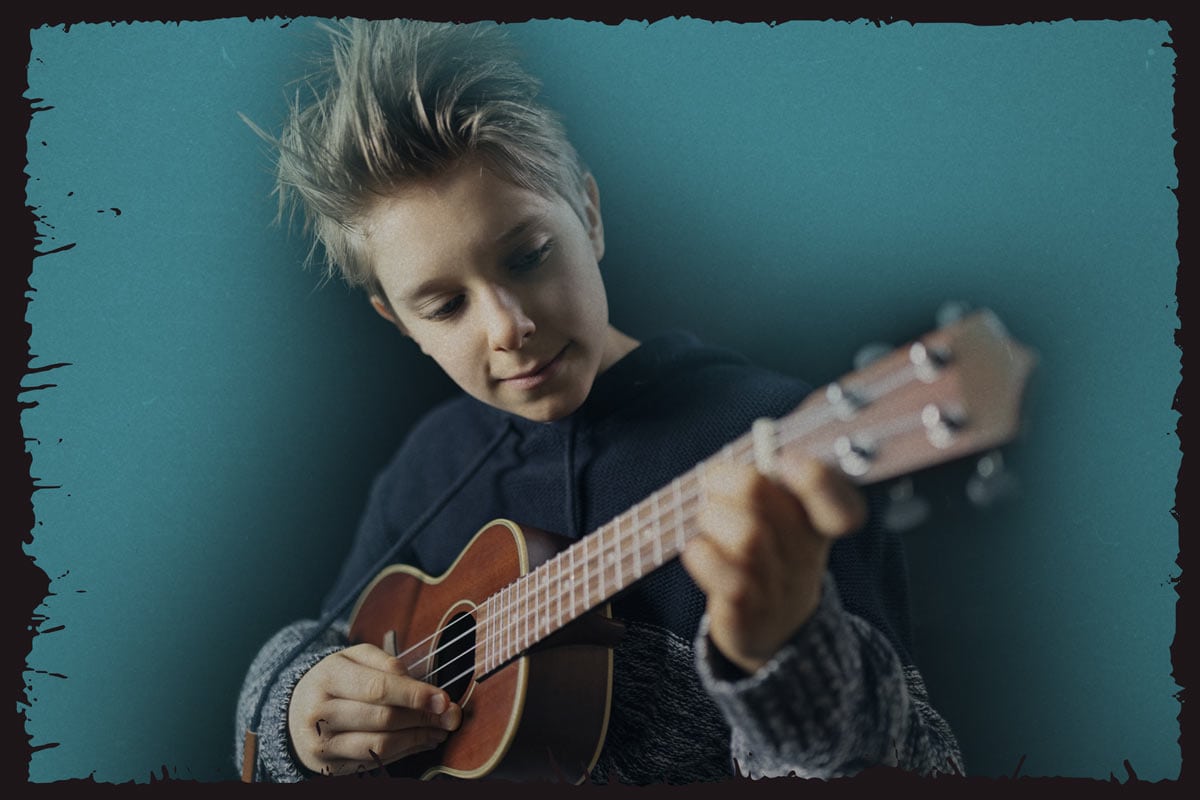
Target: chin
[[550, 410], [543, 415]]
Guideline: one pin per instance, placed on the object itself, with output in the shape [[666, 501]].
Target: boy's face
[[499, 285]]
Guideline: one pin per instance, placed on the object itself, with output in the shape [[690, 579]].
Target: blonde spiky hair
[[402, 100]]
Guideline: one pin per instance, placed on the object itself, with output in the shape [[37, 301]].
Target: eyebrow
[[514, 233], [518, 230]]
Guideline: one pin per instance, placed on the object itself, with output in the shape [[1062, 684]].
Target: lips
[[538, 373]]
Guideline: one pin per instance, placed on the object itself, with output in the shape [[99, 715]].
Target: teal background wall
[[792, 191]]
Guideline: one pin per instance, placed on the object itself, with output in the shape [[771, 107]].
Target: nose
[[508, 325]]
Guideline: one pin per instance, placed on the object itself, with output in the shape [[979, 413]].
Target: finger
[[431, 698], [743, 485], [757, 517], [718, 576], [353, 750], [746, 623], [728, 479], [834, 505], [736, 529], [338, 716], [316, 733], [375, 657], [352, 680]]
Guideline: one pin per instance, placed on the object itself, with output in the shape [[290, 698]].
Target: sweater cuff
[[274, 759], [791, 715], [721, 676], [275, 750]]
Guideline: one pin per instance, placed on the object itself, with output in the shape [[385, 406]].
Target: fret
[[537, 604], [615, 557], [548, 614], [565, 609], [523, 591], [528, 609], [544, 609], [514, 619], [587, 577], [656, 531], [574, 601], [511, 621], [612, 558], [514, 616], [505, 624], [531, 602], [637, 548], [618, 559], [557, 583]]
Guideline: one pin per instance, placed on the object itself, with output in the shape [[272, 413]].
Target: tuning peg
[[904, 510], [990, 482], [951, 312], [870, 353]]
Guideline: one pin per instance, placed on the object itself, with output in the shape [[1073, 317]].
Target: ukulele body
[[542, 715]]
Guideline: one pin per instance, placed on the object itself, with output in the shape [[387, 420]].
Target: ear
[[384, 309], [595, 224]]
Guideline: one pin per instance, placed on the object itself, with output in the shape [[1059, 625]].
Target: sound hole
[[454, 664]]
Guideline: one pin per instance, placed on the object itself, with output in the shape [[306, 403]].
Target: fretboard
[[597, 567]]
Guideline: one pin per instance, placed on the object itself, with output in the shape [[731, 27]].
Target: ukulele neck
[[954, 392]]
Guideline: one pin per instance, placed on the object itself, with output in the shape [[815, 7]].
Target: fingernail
[[437, 704], [447, 721]]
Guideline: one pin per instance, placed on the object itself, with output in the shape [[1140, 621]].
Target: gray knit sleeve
[[275, 761], [833, 701]]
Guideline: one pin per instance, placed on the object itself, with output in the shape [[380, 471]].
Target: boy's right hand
[[358, 708]]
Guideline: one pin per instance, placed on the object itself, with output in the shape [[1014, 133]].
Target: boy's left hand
[[763, 549]]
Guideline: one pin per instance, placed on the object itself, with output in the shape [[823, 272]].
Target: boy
[[776, 643]]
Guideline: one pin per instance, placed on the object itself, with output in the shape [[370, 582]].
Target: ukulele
[[518, 630]]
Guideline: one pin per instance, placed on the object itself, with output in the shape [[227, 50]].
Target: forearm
[[275, 761], [833, 701]]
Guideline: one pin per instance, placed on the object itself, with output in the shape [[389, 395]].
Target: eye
[[446, 309], [530, 259]]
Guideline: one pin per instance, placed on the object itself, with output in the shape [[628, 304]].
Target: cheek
[[583, 298], [595, 301], [451, 354]]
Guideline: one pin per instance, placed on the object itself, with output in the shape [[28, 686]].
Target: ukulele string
[[737, 450], [740, 450], [505, 611]]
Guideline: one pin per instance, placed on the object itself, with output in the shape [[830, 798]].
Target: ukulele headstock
[[955, 391]]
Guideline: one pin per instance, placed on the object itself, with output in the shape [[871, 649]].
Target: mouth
[[539, 374]]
